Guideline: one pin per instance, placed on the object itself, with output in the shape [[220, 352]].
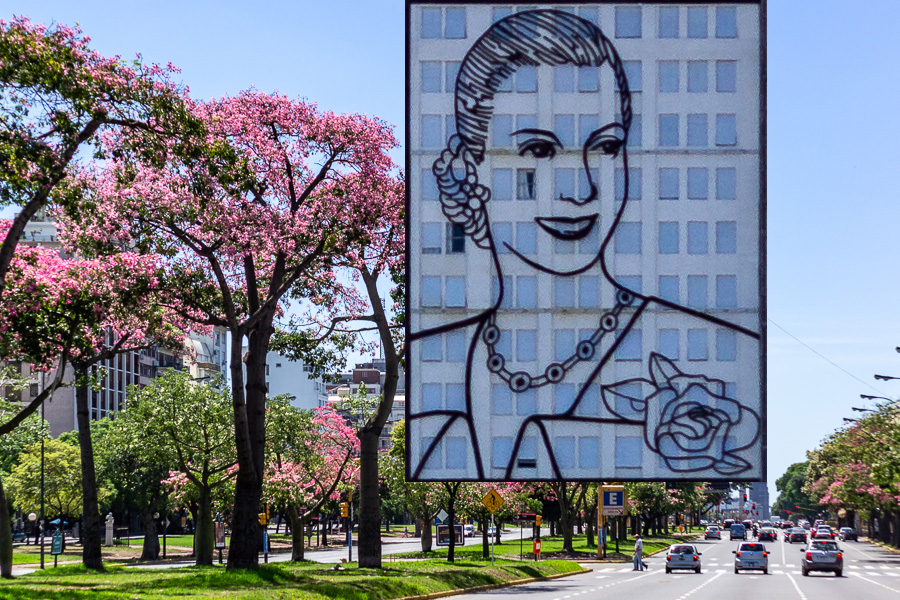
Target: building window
[[456, 239], [564, 292], [451, 70], [563, 345], [563, 397], [635, 180], [628, 452], [431, 135], [431, 23], [697, 131], [631, 282], [698, 77], [697, 22], [634, 75], [429, 186], [698, 183], [563, 183], [668, 238], [697, 291], [698, 237], [431, 238], [456, 346], [588, 79], [431, 397], [526, 291], [525, 184], [589, 291], [502, 234], [564, 79], [501, 451], [629, 347], [526, 238], [432, 348], [526, 79], [455, 291], [726, 76], [726, 345], [501, 130], [669, 343], [668, 183], [431, 291], [587, 124], [457, 452], [726, 22], [628, 21], [526, 403], [726, 183], [668, 77], [501, 184], [668, 22], [564, 127], [668, 130], [431, 77], [636, 132], [668, 288], [698, 348], [628, 238], [588, 452], [564, 452], [726, 130], [726, 291], [455, 23], [726, 237], [526, 345]]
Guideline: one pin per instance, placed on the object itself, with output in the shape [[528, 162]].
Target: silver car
[[822, 555], [712, 532], [751, 556], [683, 556]]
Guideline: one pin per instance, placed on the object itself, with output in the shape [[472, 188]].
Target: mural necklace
[[555, 372]]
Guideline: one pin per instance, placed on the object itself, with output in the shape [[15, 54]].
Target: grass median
[[551, 547], [280, 581]]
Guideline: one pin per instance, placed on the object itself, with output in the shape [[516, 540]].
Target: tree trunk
[[426, 535], [6, 547], [591, 517], [498, 525], [485, 551], [204, 540], [250, 438], [561, 490], [369, 546], [150, 550], [452, 488], [297, 526], [92, 551]]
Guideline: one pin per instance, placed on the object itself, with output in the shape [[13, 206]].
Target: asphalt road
[[869, 573]]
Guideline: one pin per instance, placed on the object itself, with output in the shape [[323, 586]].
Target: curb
[[492, 586]]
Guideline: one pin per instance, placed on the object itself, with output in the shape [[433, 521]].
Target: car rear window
[[752, 547], [682, 550], [827, 546]]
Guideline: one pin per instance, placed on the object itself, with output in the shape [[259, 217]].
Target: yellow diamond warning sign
[[493, 501]]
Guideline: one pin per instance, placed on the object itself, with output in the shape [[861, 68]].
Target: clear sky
[[832, 185]]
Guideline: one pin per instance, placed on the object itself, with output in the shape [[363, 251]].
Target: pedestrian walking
[[638, 559]]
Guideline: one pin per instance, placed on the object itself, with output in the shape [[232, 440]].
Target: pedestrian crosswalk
[[877, 570]]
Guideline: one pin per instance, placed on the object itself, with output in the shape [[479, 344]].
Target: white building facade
[[585, 258]]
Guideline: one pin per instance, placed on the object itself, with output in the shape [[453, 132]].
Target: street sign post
[[493, 501], [56, 547], [612, 500], [442, 516]]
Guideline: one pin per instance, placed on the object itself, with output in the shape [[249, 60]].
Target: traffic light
[[754, 506], [797, 506], [262, 518], [538, 519], [345, 509], [745, 497]]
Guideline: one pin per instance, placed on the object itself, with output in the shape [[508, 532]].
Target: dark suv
[[822, 555], [848, 533]]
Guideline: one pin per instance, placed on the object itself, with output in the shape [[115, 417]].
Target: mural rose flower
[[689, 419]]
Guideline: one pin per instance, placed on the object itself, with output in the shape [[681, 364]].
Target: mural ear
[[662, 370]]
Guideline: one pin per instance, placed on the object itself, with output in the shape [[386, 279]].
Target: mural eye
[[609, 146], [538, 149]]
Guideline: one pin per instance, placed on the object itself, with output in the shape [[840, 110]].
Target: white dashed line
[[797, 587], [896, 591]]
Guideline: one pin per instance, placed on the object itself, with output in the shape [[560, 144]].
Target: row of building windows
[[580, 292], [436, 130], [523, 343], [450, 22], [520, 184], [440, 77], [569, 452]]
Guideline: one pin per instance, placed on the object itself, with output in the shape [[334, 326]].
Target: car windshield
[[682, 550], [752, 548], [826, 546]]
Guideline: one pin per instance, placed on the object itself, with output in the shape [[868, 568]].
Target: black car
[[767, 534], [796, 534], [848, 533]]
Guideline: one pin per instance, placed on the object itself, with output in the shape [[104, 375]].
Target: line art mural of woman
[[535, 353]]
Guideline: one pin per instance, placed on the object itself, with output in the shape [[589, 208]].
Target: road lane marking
[[777, 572], [896, 591], [797, 587], [869, 567], [601, 576], [707, 582]]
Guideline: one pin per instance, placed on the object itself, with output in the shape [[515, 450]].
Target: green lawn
[[275, 581], [552, 545]]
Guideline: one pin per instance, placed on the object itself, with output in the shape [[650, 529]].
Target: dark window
[[456, 239]]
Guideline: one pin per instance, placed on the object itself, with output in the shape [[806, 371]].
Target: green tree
[[62, 479], [192, 427], [130, 459], [792, 500]]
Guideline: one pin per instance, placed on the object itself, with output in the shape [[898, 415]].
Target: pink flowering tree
[[249, 227], [191, 426], [312, 459], [77, 312], [57, 96], [518, 498]]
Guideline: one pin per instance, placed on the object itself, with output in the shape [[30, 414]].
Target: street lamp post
[[43, 520]]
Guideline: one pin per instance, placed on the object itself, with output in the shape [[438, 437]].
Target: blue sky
[[832, 185]]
